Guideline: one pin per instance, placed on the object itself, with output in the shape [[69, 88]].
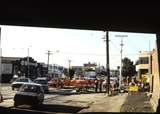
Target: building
[[78, 71], [155, 80], [19, 66], [90, 66], [8, 68], [42, 69], [149, 64], [55, 71], [143, 66]]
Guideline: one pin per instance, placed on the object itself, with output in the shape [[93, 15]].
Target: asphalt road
[[56, 101], [62, 101]]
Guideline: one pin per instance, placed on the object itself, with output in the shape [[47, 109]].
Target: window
[[144, 60]]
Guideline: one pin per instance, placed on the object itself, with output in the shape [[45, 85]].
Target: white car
[[29, 94], [43, 82], [19, 82]]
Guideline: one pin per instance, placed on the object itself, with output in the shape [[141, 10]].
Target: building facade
[[21, 67], [143, 66], [155, 80], [8, 68]]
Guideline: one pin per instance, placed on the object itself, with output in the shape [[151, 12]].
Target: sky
[[79, 46]]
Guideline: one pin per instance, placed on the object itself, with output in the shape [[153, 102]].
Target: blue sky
[[80, 46]]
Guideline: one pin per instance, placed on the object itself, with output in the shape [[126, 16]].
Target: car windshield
[[41, 81], [22, 80], [29, 88]]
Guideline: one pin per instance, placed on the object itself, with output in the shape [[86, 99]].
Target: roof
[[41, 78], [10, 59], [32, 84]]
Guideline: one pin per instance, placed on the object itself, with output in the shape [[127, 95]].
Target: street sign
[[121, 35]]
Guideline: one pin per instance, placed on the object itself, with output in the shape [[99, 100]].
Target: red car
[[56, 83]]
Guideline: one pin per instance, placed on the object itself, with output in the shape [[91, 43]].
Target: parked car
[[1, 98], [19, 82], [43, 82], [14, 78], [56, 83], [29, 94]]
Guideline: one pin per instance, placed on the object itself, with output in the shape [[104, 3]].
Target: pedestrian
[[112, 88], [100, 85], [142, 87], [96, 85]]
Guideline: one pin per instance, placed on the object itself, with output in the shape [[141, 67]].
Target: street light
[[28, 60], [120, 76], [69, 68], [48, 53]]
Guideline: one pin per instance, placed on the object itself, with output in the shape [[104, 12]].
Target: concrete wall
[[156, 77]]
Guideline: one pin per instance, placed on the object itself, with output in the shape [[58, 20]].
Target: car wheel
[[47, 91], [1, 99], [15, 104], [40, 102]]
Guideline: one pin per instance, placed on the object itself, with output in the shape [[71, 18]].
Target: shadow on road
[[69, 92], [58, 108], [45, 108], [114, 113]]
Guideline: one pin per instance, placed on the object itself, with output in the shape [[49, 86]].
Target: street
[[57, 100], [68, 101]]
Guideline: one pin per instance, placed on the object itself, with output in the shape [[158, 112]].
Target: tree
[[71, 73], [128, 69], [65, 71]]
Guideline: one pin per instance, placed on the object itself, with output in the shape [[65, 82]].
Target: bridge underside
[[133, 17]]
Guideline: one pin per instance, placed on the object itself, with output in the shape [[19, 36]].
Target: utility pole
[[54, 70], [48, 53], [120, 76], [106, 38], [69, 61], [107, 60], [28, 62], [99, 68]]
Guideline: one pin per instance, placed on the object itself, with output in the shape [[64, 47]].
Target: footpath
[[136, 102]]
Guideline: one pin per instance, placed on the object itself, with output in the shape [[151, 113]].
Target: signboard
[[144, 78], [133, 88], [6, 68]]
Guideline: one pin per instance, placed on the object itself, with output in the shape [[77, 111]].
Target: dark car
[[43, 82], [29, 94], [19, 82], [1, 98]]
